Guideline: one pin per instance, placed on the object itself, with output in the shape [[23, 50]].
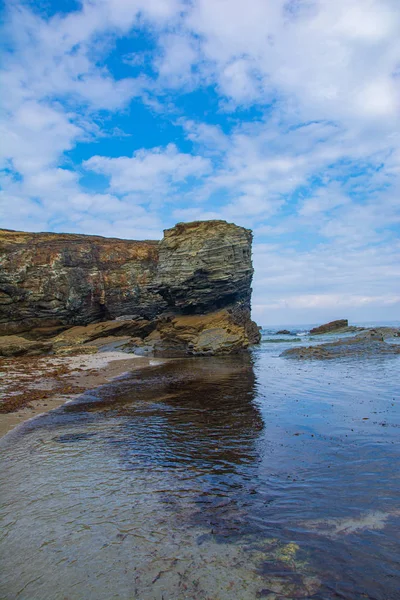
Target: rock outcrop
[[350, 347], [200, 271], [15, 345], [48, 279], [221, 332], [204, 266], [379, 333], [330, 327]]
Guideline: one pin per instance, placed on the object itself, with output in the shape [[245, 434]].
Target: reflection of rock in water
[[161, 479], [165, 464], [196, 412], [198, 418]]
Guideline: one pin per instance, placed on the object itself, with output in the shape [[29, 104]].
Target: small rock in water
[[329, 327]]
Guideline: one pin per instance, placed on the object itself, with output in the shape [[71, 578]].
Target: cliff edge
[[188, 294]]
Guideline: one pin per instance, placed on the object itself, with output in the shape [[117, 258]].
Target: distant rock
[[283, 332], [382, 333], [350, 347], [330, 327]]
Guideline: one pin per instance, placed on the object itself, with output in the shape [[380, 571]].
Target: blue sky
[[123, 117]]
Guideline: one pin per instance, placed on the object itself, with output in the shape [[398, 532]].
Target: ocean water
[[241, 477]]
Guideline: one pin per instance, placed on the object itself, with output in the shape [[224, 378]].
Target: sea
[[216, 478]]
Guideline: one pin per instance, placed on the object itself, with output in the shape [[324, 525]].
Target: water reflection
[[244, 477], [198, 413]]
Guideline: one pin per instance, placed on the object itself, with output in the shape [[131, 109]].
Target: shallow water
[[245, 477]]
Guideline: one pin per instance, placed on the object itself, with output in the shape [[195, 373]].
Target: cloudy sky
[[123, 117]]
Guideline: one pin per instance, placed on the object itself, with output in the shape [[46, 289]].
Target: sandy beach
[[37, 385]]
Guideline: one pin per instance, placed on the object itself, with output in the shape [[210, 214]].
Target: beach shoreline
[[44, 392]]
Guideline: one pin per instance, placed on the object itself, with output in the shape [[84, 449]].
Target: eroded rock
[[220, 332], [350, 347], [14, 345], [86, 334], [52, 281], [329, 327], [382, 333], [204, 266], [49, 279]]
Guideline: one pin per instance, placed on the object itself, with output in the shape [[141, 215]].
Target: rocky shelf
[[370, 342]]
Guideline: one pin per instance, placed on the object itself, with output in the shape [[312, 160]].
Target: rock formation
[[379, 333], [49, 279], [330, 327], [189, 293], [204, 266], [361, 345]]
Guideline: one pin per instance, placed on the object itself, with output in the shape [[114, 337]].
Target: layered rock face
[[204, 266], [50, 281]]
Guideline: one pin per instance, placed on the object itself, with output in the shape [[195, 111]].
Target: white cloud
[[239, 79], [36, 135], [157, 171], [330, 281], [325, 59], [53, 79], [329, 301], [178, 53], [324, 200]]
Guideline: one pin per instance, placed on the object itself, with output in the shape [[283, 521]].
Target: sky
[[123, 117]]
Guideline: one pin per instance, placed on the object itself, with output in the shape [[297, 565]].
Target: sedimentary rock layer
[[204, 266], [48, 281]]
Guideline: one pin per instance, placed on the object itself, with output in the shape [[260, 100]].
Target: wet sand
[[79, 373]]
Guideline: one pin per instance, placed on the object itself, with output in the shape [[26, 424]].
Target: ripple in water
[[246, 477]]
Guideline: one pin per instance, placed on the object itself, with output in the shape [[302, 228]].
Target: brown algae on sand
[[32, 385]]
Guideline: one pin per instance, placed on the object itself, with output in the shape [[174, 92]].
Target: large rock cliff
[[201, 269], [50, 279]]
